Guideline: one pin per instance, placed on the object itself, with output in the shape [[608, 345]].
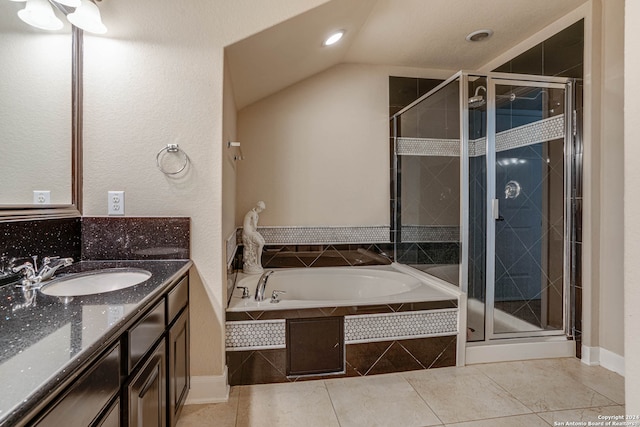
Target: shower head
[[477, 100]]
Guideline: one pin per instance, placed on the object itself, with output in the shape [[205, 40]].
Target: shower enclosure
[[481, 197]]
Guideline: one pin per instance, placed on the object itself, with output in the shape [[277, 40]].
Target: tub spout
[[262, 284]]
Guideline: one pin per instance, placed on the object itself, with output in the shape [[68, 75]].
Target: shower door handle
[[495, 209]]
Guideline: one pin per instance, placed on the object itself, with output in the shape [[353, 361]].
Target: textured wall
[[612, 161], [317, 152], [632, 207], [157, 78]]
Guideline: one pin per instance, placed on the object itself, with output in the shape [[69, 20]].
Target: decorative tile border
[[532, 133], [428, 147], [271, 334], [413, 324], [346, 235], [425, 233], [255, 335], [322, 235], [521, 136]]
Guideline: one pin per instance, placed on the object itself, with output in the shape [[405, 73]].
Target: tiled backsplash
[[135, 238], [51, 237], [92, 238]]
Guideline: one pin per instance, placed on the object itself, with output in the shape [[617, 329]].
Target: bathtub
[[341, 286]]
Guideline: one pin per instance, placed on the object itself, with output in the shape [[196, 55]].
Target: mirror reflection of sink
[[95, 282]]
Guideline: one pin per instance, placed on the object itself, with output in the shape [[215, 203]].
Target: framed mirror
[[40, 118]]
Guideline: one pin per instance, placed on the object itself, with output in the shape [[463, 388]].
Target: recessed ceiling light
[[479, 35], [333, 38]]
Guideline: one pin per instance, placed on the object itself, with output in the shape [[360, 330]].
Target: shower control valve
[[274, 296]]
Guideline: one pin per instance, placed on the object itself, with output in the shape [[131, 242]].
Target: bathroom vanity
[[110, 359]]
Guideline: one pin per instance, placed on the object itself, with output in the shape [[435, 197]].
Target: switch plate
[[115, 203], [41, 197]]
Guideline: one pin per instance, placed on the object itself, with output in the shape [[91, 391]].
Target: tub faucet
[[262, 284]]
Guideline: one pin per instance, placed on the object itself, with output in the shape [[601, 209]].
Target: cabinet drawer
[[89, 395], [177, 299], [146, 332]]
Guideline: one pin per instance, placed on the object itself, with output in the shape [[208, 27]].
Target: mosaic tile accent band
[[255, 335], [532, 133], [382, 327], [521, 136], [270, 334], [428, 147], [322, 235], [425, 233]]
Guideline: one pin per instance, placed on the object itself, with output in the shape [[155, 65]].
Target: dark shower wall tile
[[404, 90], [560, 55], [50, 237], [564, 52], [134, 238]]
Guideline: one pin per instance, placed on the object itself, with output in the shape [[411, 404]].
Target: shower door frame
[[569, 131]]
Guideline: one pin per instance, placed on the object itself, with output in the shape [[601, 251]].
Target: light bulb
[[87, 18], [39, 14], [333, 38]]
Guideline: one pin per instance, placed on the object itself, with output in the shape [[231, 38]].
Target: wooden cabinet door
[[178, 341], [147, 398]]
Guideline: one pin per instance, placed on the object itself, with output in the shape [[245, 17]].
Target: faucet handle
[[274, 296], [245, 291], [27, 269]]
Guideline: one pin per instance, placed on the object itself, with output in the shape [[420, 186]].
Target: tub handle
[[245, 291], [274, 296]]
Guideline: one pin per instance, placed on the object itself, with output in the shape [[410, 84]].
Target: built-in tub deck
[[341, 321]]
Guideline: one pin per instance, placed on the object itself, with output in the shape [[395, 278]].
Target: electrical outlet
[[115, 203], [41, 197]]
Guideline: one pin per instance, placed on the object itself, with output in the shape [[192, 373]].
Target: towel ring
[[172, 148]]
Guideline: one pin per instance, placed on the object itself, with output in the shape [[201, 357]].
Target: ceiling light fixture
[[479, 35], [333, 38], [87, 17], [40, 14]]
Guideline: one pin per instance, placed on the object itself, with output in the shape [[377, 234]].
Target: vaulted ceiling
[[411, 33]]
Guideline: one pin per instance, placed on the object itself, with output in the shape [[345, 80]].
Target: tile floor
[[527, 393]]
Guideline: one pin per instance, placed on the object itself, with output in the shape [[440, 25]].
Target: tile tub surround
[[375, 358], [265, 362], [36, 360]]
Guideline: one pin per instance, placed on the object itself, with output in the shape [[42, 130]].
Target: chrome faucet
[[33, 277], [262, 284], [50, 265]]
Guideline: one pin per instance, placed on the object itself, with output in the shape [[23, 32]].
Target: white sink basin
[[95, 282]]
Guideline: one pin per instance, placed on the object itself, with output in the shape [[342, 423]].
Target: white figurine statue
[[253, 241]]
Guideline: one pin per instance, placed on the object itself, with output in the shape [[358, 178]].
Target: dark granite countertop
[[43, 345]]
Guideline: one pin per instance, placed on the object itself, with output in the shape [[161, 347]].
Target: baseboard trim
[[593, 356], [505, 352], [208, 389]]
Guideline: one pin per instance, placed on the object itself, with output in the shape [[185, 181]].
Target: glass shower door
[[526, 209]]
